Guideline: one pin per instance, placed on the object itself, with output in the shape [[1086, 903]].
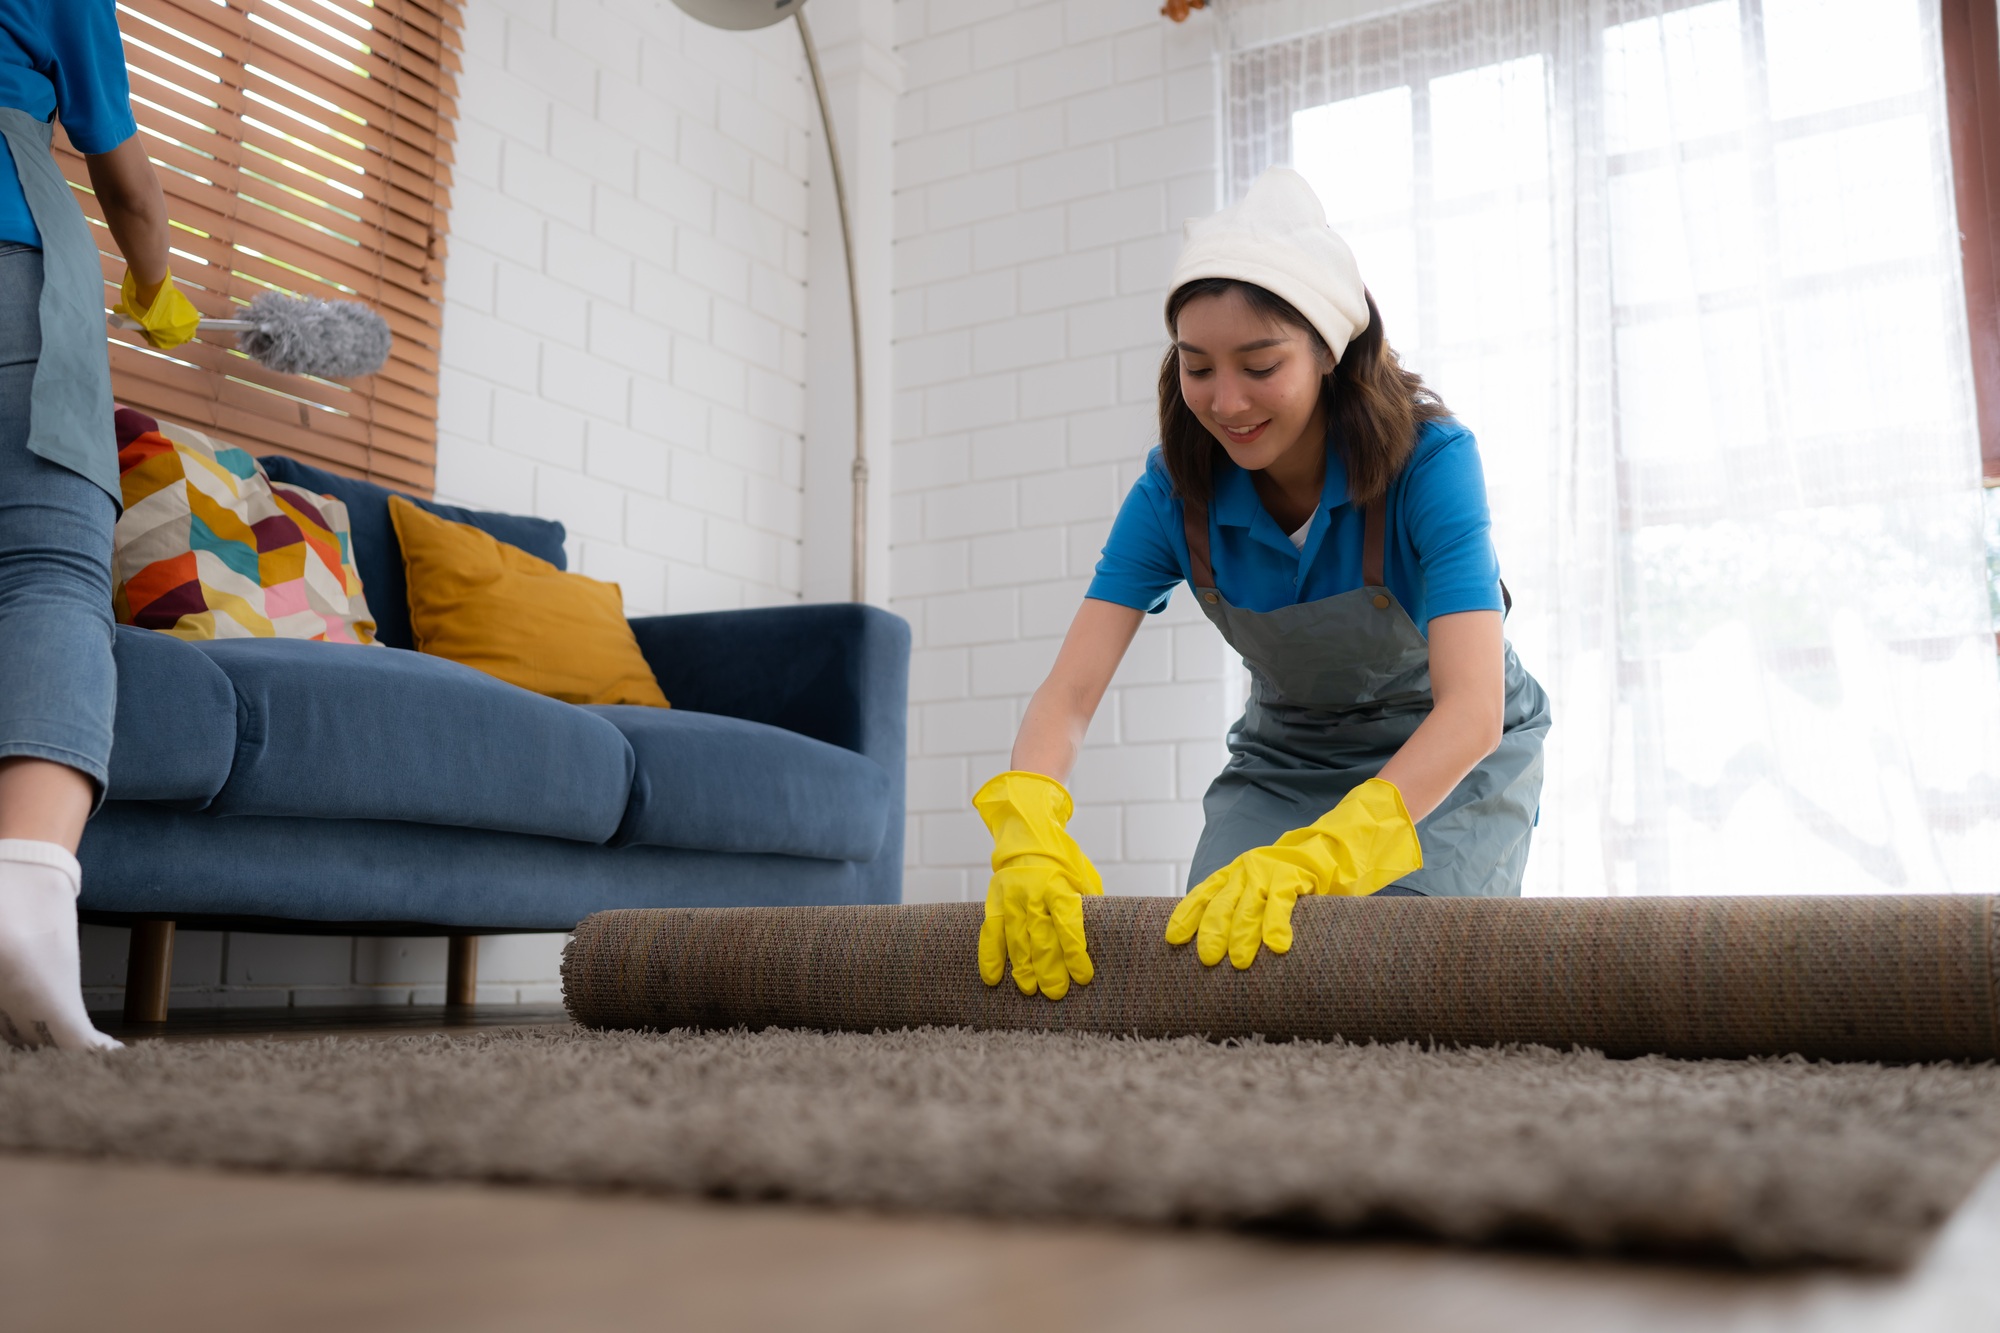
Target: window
[[304, 147], [1691, 272]]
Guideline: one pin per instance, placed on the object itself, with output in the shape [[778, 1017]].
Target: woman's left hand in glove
[[167, 320], [1365, 843]]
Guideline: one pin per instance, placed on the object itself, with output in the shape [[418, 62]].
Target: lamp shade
[[739, 15]]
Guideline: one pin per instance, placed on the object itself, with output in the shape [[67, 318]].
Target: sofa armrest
[[838, 672]]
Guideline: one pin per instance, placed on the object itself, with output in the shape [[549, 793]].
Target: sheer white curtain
[[1690, 273]]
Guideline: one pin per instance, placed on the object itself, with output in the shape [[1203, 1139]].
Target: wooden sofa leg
[[461, 971], [149, 971]]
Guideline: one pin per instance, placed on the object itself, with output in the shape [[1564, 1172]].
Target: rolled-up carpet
[[1894, 978]]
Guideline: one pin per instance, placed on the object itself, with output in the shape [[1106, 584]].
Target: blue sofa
[[280, 785]]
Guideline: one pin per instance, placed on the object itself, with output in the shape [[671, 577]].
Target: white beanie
[[1276, 238]]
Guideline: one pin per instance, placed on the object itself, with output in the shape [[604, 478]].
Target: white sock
[[41, 985]]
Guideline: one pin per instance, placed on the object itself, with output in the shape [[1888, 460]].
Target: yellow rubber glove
[[1034, 903], [1365, 843], [169, 321]]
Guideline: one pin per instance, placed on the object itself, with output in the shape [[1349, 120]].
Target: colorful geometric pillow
[[209, 548]]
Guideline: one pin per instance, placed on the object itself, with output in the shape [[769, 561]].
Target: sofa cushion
[[176, 730], [338, 732], [376, 553], [332, 874], [721, 784]]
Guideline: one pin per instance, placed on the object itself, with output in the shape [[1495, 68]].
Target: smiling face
[[1253, 382]]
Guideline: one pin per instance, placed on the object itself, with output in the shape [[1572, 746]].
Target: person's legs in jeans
[[58, 689]]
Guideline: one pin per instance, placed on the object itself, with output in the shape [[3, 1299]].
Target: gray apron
[[70, 409], [1337, 686]]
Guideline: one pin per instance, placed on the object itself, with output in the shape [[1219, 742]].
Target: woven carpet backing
[[1896, 978]]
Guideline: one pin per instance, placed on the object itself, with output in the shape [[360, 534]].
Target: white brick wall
[[624, 340], [1046, 154], [215, 969]]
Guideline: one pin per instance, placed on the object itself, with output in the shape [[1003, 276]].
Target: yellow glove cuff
[[1026, 813], [169, 321], [1372, 826], [1018, 791]]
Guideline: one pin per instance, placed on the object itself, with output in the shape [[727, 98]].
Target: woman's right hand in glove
[[1034, 903]]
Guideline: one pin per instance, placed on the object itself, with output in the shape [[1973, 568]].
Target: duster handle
[[213, 325]]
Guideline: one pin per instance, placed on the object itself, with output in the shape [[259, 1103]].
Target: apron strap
[[1374, 540], [1194, 518], [1374, 536]]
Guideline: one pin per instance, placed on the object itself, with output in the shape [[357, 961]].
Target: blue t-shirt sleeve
[[93, 96], [1140, 564], [1451, 528]]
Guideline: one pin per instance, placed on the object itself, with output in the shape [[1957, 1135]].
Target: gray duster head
[[307, 336]]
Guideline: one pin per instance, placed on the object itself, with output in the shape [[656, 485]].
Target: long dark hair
[[1373, 405]]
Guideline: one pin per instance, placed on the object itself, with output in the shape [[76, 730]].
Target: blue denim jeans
[[58, 686]]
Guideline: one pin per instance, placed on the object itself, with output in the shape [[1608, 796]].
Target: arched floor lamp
[[741, 16]]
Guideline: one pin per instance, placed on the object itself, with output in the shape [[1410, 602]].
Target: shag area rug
[[1769, 1161]]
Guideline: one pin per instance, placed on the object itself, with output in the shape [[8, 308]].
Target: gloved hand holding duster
[[334, 340], [165, 319], [1034, 903], [1365, 843]]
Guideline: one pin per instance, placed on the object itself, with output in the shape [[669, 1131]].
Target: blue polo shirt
[[1438, 558], [60, 58]]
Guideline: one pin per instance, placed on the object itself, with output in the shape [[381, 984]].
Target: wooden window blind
[[1972, 96], [304, 147]]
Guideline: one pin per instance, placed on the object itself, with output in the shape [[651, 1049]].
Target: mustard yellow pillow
[[483, 603]]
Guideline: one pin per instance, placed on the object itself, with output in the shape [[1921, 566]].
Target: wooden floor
[[330, 1021], [94, 1245]]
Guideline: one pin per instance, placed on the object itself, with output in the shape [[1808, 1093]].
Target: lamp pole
[[859, 587]]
